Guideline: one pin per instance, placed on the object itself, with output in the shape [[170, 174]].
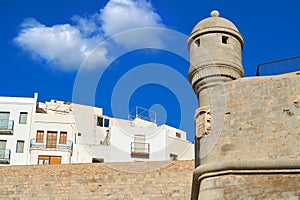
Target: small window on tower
[[224, 39], [197, 42]]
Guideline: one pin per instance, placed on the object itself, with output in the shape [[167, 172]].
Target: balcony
[[51, 144], [4, 156], [6, 126], [139, 149]]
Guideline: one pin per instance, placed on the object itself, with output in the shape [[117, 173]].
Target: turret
[[215, 47]]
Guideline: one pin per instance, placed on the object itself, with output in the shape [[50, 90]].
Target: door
[[49, 160], [51, 139], [54, 160]]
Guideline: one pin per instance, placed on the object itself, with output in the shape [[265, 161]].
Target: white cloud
[[122, 15], [66, 46]]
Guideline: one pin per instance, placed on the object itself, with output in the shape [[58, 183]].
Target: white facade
[[59, 132], [15, 125], [51, 138]]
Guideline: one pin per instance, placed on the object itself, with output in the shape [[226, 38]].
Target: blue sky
[[99, 53]]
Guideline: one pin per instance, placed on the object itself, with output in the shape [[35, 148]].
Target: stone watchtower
[[247, 130], [215, 47]]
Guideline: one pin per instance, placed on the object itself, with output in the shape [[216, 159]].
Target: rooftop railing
[[142, 113], [279, 67], [6, 126]]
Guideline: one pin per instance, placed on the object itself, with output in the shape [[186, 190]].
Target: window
[[173, 156], [178, 135], [106, 122], [2, 148], [4, 120], [139, 143], [197, 42], [97, 160], [23, 118], [102, 122], [63, 137], [2, 144], [224, 39], [51, 139], [40, 137], [20, 146]]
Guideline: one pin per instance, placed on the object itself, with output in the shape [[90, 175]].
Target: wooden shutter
[[51, 139], [55, 160], [63, 138]]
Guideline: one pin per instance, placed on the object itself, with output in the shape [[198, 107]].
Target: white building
[[52, 134], [58, 132], [15, 124]]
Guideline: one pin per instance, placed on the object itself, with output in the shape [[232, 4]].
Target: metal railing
[[278, 67], [142, 113], [5, 156], [139, 148], [6, 126], [48, 144]]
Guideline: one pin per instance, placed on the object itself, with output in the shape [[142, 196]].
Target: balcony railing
[[4, 156], [139, 149], [6, 126], [51, 144]]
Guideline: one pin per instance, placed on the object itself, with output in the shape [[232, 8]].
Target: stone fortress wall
[[256, 155], [247, 130], [139, 180]]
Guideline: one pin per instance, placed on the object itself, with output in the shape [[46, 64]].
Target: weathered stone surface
[[274, 186], [262, 126], [140, 180]]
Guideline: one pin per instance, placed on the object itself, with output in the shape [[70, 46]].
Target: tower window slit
[[197, 42], [224, 39]]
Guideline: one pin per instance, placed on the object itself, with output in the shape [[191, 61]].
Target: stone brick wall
[[260, 120], [254, 142], [140, 180], [251, 187]]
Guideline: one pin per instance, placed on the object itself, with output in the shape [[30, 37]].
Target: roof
[[215, 21]]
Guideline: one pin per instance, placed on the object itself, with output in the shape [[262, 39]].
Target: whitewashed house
[[52, 134], [58, 132], [15, 125]]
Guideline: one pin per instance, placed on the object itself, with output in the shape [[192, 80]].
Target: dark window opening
[[97, 160], [173, 156], [106, 122], [224, 39], [100, 121], [197, 42], [178, 135]]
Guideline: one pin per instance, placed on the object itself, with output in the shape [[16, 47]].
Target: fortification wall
[[250, 187], [260, 120], [140, 180], [253, 149]]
